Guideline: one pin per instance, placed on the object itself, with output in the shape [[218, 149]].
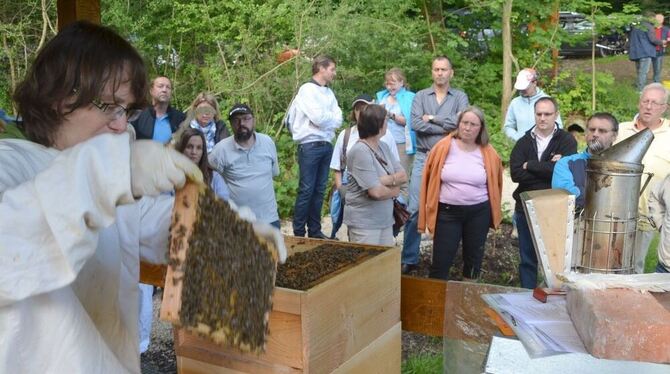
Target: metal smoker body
[[608, 225]]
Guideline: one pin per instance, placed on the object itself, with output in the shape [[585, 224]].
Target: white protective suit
[[71, 236]]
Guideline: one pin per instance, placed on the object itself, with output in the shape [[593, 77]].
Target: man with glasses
[[570, 171], [532, 164], [248, 162], [159, 120], [652, 106]]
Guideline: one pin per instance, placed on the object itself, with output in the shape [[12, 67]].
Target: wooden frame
[[320, 329]]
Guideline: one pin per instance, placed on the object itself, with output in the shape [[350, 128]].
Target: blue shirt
[[570, 175], [162, 129], [248, 174]]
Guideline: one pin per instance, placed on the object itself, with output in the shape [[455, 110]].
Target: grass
[[423, 364], [652, 256]]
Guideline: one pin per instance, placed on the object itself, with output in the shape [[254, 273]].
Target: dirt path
[[620, 67]]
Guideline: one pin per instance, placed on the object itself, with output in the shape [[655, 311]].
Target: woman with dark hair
[[345, 141], [375, 180], [73, 220], [460, 195], [192, 144]]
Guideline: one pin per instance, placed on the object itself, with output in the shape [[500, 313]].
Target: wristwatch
[[431, 118]]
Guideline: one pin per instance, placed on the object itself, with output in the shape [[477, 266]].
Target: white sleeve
[[390, 142], [337, 151], [49, 225], [326, 116], [155, 218]]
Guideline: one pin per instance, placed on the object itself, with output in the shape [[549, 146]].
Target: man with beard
[[652, 106], [248, 162], [160, 120], [570, 171]]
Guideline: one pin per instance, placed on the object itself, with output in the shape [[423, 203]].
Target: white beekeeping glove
[[155, 168], [264, 230]]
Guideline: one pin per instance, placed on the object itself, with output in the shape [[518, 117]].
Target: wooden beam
[[74, 10], [152, 274], [422, 303]]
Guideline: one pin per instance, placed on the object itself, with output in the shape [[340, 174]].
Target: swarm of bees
[[228, 276], [303, 270]]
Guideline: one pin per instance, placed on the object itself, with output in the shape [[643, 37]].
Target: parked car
[[578, 27]]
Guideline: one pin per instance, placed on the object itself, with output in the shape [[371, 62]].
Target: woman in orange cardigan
[[460, 195]]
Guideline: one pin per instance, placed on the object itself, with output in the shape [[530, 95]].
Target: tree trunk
[[507, 91]]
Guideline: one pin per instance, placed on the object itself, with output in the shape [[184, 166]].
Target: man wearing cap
[[520, 113], [570, 171], [248, 162], [652, 106], [160, 120], [314, 115], [434, 114]]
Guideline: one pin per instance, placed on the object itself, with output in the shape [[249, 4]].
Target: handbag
[[400, 212], [400, 215]]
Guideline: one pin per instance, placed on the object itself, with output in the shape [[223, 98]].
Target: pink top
[[463, 177]]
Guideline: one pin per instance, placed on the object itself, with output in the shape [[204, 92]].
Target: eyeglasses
[[653, 104], [116, 111]]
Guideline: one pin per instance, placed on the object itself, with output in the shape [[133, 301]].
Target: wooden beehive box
[[349, 322]]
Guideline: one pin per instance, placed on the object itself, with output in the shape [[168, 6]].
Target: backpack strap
[[343, 154]]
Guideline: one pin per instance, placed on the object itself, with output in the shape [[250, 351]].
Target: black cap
[[239, 109], [364, 98]]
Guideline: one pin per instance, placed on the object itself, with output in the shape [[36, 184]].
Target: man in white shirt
[[314, 116], [652, 106]]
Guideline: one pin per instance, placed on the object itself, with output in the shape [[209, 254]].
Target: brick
[[621, 324]]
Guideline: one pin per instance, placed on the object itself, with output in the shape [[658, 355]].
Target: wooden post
[[74, 10]]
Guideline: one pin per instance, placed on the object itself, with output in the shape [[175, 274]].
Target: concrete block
[[622, 324]]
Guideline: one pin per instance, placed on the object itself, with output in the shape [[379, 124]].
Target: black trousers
[[469, 223]]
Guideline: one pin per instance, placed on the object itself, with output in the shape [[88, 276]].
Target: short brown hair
[[483, 136], [371, 120], [76, 65], [322, 61]]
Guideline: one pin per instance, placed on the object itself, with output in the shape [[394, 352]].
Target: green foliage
[[423, 364], [651, 260], [573, 92]]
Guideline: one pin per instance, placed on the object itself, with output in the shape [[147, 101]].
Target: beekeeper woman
[[71, 231]]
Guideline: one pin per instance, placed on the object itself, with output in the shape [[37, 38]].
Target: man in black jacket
[[160, 120], [532, 165]]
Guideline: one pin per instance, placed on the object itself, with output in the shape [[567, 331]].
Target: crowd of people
[[86, 196]]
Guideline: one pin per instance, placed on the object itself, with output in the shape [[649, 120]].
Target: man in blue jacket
[[642, 50], [160, 120], [570, 171], [520, 115]]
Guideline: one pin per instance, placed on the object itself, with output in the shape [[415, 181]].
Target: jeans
[[410, 246], [469, 223], [661, 269], [337, 207], [528, 263], [642, 65], [657, 65], [313, 161]]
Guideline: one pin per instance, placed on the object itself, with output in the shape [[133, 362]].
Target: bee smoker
[[607, 227]]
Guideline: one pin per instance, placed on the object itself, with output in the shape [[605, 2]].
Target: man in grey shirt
[[434, 115], [248, 162]]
